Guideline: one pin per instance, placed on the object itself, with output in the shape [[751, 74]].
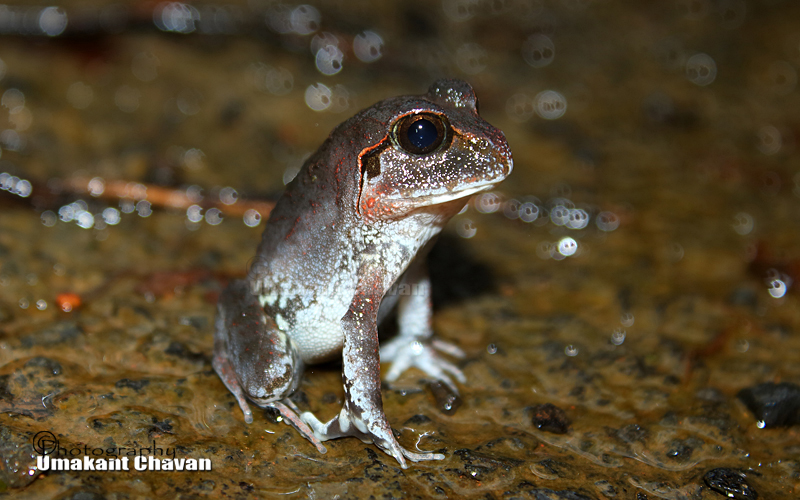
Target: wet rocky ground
[[627, 300]]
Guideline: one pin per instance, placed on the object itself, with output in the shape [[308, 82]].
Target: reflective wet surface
[[627, 299]]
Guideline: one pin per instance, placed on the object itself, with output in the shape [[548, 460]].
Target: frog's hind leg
[[255, 359]]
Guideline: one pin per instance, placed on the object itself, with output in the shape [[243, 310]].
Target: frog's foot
[[289, 413], [404, 353], [225, 371], [287, 409], [348, 423]]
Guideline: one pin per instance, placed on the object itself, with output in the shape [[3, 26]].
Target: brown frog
[[358, 219]]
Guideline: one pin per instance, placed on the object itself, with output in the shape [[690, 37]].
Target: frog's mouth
[[439, 198]]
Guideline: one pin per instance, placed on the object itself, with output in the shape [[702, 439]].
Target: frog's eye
[[420, 134]]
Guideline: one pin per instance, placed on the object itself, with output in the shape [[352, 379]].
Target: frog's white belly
[[317, 331]]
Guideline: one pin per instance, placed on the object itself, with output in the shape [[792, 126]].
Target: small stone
[[550, 418], [730, 483], [446, 400], [776, 405]]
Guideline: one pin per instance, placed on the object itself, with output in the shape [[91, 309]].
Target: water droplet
[[694, 9], [111, 216], [732, 12], [126, 206], [567, 246], [84, 219], [511, 208], [578, 219], [193, 159], [329, 60], [252, 218], [782, 77], [701, 69], [13, 100], [550, 104], [607, 221], [213, 216], [743, 223], [279, 81], [488, 203], [770, 140], [23, 188], [459, 10], [228, 195], [318, 97], [559, 215], [189, 101], [528, 212], [777, 288], [49, 218], [627, 319], [466, 228], [340, 99], [519, 107], [143, 208], [538, 50], [305, 19], [367, 46], [742, 345], [471, 58], [52, 21], [194, 213], [96, 186], [175, 17]]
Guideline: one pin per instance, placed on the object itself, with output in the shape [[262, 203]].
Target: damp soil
[[659, 360]]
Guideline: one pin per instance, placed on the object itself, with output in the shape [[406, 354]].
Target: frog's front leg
[[255, 359], [362, 415], [414, 346]]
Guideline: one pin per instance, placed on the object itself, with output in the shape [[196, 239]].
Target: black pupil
[[422, 133]]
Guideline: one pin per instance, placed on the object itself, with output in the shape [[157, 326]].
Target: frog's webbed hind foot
[[287, 409], [348, 423], [291, 418], [404, 352]]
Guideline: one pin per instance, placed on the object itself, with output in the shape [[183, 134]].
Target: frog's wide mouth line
[[436, 199]]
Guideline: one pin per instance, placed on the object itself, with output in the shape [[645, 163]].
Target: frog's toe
[[347, 423], [426, 358], [394, 449], [448, 348], [228, 377], [421, 457], [298, 422]]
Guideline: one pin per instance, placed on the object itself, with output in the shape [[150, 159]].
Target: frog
[[342, 248]]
